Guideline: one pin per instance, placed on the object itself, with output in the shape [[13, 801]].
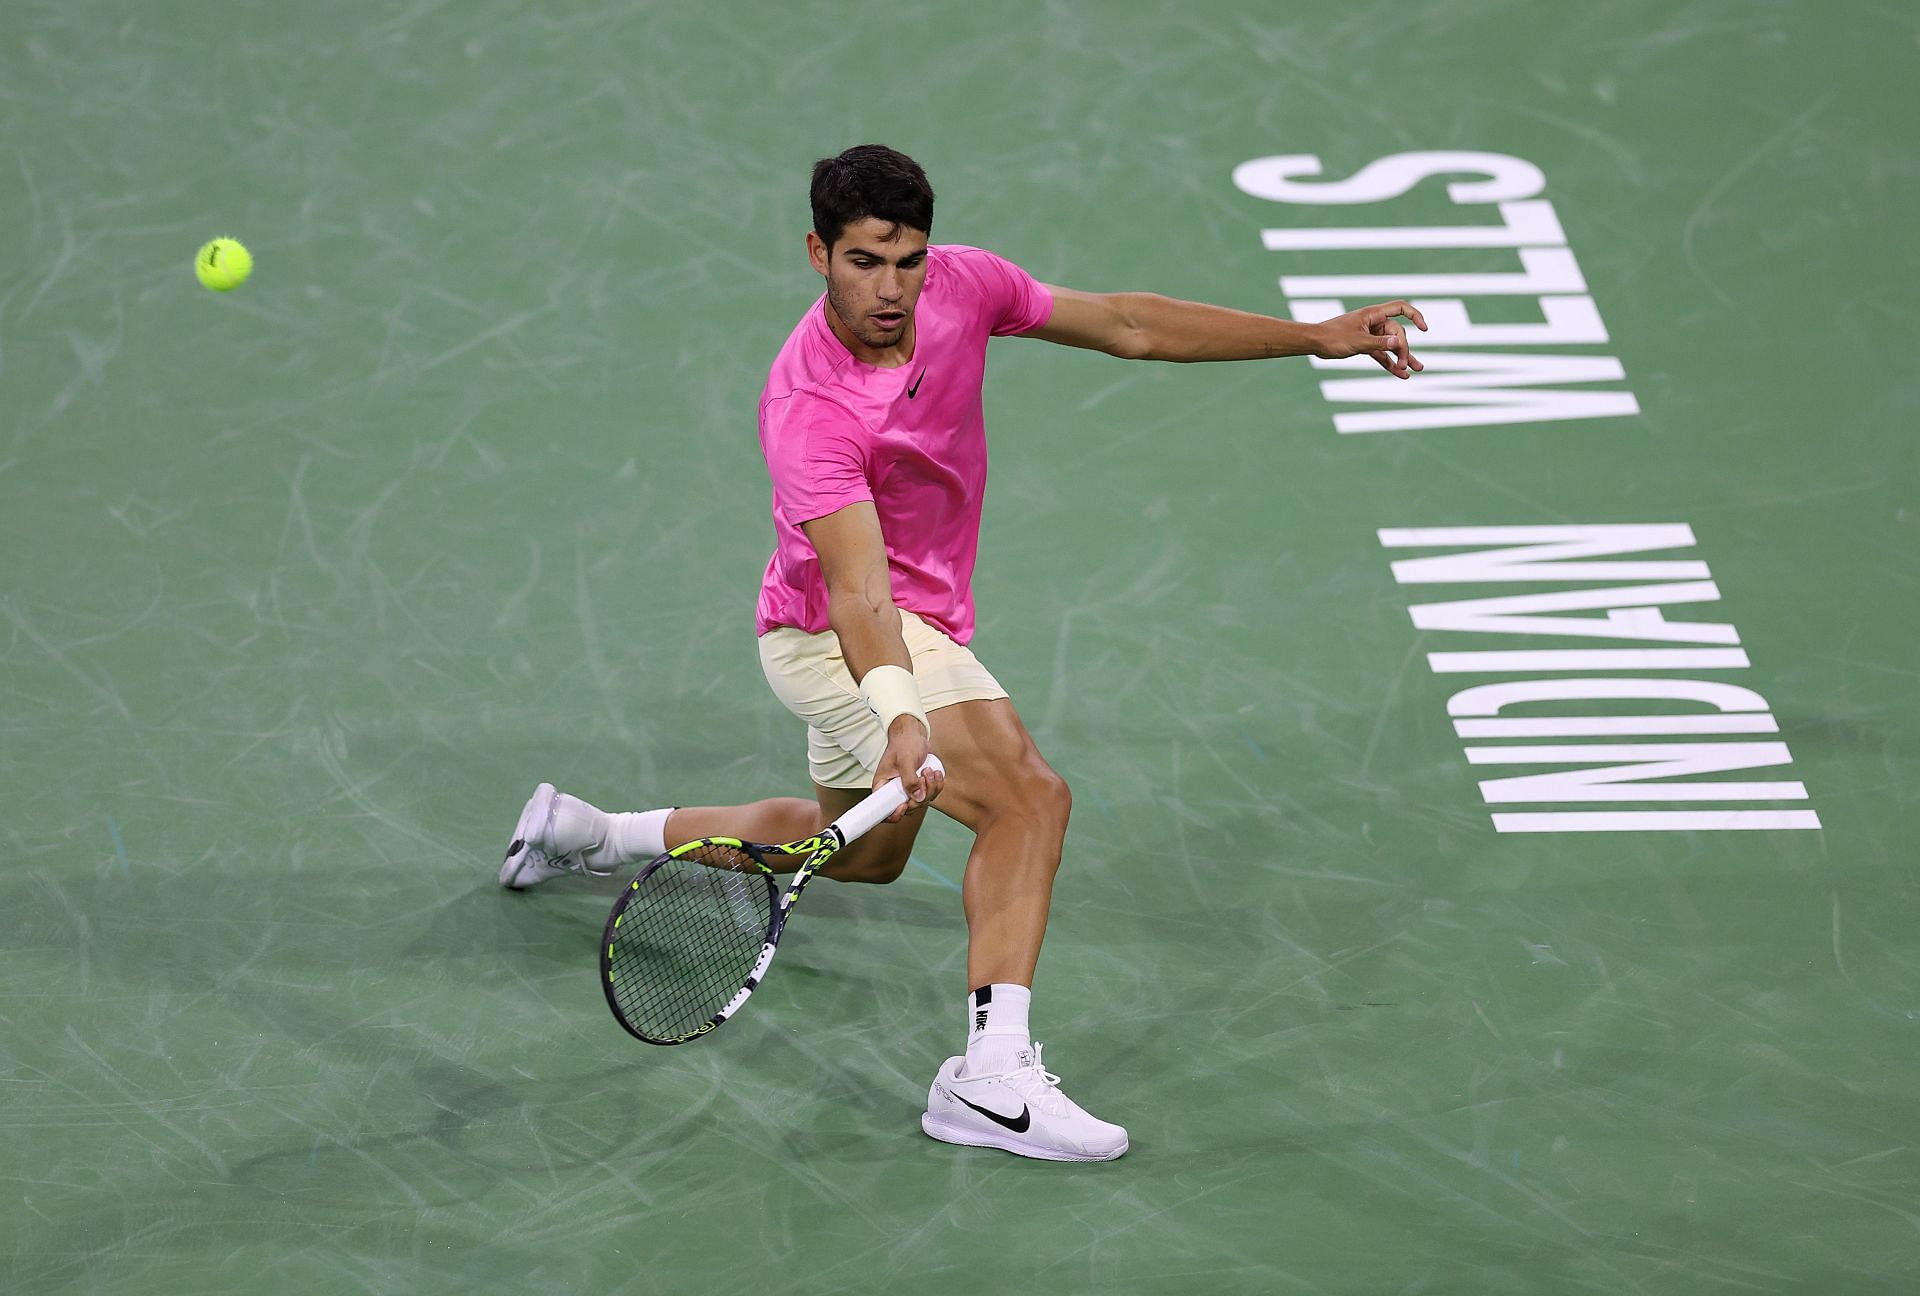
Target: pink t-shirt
[[837, 431]]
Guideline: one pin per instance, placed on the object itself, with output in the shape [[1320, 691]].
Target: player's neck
[[890, 357]]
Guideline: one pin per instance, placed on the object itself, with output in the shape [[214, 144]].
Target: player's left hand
[[1375, 331]]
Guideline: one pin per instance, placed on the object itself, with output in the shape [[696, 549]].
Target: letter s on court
[[1508, 178]]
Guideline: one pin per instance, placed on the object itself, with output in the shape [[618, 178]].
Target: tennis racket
[[695, 930]]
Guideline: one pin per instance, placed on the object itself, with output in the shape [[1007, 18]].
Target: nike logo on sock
[[1018, 1124], [915, 389]]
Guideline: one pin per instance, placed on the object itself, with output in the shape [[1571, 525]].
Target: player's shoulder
[[998, 295], [960, 271], [964, 258]]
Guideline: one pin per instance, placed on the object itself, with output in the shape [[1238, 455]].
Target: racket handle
[[880, 803]]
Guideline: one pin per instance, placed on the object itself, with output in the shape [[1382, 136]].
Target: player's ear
[[817, 252]]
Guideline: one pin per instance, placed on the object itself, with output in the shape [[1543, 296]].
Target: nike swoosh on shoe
[[1018, 1124]]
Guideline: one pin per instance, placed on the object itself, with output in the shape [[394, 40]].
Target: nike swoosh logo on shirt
[[911, 393], [1018, 1124]]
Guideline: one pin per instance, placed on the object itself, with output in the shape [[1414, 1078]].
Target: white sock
[[609, 840], [996, 1028], [634, 838]]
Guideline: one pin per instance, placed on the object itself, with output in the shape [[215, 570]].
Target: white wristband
[[890, 692]]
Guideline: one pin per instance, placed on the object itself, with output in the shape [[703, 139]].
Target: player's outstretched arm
[[1146, 326], [860, 608]]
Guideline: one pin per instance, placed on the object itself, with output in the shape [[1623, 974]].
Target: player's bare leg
[[1000, 786], [880, 856], [777, 819], [999, 1094]]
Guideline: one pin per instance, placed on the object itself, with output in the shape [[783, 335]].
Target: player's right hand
[[906, 753]]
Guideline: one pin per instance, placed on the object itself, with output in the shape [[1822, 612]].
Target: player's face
[[874, 274]]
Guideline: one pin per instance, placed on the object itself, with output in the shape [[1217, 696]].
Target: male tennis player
[[871, 423]]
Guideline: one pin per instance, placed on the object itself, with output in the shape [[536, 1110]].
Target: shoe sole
[[538, 806], [947, 1132]]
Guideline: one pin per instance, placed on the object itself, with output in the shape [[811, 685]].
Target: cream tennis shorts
[[844, 740]]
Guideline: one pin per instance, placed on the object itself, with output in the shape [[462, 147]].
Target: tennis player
[[872, 428]]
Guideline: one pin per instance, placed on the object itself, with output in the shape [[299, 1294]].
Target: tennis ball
[[223, 264]]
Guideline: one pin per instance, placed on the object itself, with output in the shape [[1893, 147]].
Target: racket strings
[[689, 937]]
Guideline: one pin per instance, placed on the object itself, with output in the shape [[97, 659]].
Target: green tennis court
[[1415, 960]]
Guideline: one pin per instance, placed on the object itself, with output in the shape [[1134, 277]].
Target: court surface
[[306, 585]]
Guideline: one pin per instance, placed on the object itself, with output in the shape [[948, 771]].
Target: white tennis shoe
[[1021, 1111], [553, 837]]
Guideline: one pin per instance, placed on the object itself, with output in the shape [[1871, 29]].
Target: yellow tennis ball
[[223, 264]]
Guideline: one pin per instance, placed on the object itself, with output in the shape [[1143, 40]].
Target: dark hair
[[869, 180]]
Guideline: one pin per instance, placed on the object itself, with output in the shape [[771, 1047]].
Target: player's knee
[[1041, 798], [1054, 797]]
